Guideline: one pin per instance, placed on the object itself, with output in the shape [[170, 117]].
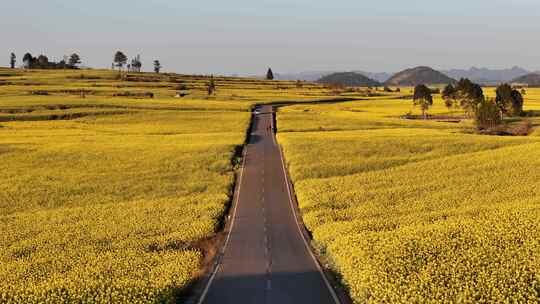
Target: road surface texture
[[266, 258]]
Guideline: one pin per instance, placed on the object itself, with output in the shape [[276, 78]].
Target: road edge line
[[313, 257], [217, 264]]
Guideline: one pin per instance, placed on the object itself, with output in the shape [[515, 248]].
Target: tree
[[509, 101], [119, 59], [74, 60], [449, 96], [28, 60], [270, 74], [136, 64], [517, 103], [211, 86], [43, 61], [469, 94], [157, 66], [487, 114], [423, 98], [12, 60]]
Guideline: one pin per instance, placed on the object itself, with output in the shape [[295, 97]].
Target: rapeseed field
[[411, 211], [109, 182], [103, 197]]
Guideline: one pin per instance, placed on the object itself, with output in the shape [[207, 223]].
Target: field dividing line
[[308, 248], [233, 220]]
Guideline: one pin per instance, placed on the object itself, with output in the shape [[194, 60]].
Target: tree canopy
[[487, 114], [270, 74], [120, 59], [12, 60], [74, 60], [449, 95], [422, 97], [469, 95], [509, 100], [42, 60], [27, 60], [157, 66]]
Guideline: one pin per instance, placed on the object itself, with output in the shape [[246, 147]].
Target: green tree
[[517, 103], [157, 66], [43, 61], [469, 95], [120, 59], [12, 60], [28, 60], [211, 86], [449, 96], [74, 60], [423, 98], [269, 74], [487, 114], [508, 100]]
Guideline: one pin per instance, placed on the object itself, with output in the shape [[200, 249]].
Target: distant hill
[[532, 80], [419, 75], [380, 77], [305, 76], [316, 75], [483, 76], [349, 79], [487, 76]]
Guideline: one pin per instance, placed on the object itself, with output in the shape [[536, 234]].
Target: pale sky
[[247, 36]]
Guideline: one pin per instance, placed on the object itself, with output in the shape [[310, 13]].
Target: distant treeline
[[42, 62]]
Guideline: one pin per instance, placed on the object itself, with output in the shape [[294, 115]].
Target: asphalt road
[[266, 259]]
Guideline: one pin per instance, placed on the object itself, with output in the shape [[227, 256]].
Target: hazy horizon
[[242, 37]]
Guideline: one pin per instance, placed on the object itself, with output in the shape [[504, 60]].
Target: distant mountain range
[[487, 76], [480, 75], [532, 79]]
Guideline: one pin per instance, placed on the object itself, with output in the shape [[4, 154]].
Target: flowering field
[[103, 198], [417, 211]]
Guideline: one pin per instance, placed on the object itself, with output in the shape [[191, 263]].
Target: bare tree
[[136, 64]]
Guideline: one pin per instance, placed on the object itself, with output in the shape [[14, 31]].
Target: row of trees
[[74, 60], [120, 60], [42, 62], [469, 96]]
